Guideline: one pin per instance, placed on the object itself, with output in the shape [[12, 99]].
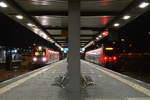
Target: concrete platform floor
[[109, 85]]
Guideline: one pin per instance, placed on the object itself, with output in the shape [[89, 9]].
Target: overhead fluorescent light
[[100, 36], [126, 17], [3, 4], [122, 40], [114, 42], [45, 36], [36, 30], [143, 4], [40, 48], [19, 16], [105, 33], [97, 38], [30, 24], [116, 24], [83, 49], [62, 49]]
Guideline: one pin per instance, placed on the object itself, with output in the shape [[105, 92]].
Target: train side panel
[[93, 56], [102, 56]]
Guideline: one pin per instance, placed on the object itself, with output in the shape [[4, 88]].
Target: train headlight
[[44, 59], [34, 59]]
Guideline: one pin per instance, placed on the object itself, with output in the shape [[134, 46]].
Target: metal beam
[[64, 13], [62, 41], [82, 28], [85, 40], [80, 36], [67, 40]]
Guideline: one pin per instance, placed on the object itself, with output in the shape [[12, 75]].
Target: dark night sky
[[16, 35]]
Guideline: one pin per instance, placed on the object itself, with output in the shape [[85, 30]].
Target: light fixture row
[[32, 26], [126, 17]]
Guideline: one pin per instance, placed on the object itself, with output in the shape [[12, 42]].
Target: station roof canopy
[[49, 18]]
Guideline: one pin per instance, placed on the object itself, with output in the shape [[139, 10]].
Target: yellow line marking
[[21, 81], [131, 84]]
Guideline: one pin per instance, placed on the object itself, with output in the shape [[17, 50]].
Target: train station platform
[[109, 85]]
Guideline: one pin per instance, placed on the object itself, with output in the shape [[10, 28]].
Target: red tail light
[[114, 58], [105, 58]]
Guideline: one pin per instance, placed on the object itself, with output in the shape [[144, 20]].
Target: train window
[[43, 53], [109, 52], [36, 53], [40, 53]]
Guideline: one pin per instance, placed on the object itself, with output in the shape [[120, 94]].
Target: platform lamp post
[[73, 86]]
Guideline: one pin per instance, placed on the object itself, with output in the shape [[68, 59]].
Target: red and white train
[[43, 55], [103, 56]]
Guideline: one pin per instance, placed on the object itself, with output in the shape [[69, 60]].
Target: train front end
[[109, 57], [39, 56]]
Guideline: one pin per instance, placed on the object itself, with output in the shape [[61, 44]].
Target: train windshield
[[39, 53], [109, 51]]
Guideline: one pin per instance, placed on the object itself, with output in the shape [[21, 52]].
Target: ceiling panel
[[86, 37], [62, 5], [59, 37], [59, 41], [64, 43], [82, 32], [88, 32], [104, 5], [10, 10], [84, 41], [53, 20], [43, 5], [54, 32], [95, 21], [86, 21]]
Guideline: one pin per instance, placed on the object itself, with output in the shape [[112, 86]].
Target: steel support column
[[74, 50]]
